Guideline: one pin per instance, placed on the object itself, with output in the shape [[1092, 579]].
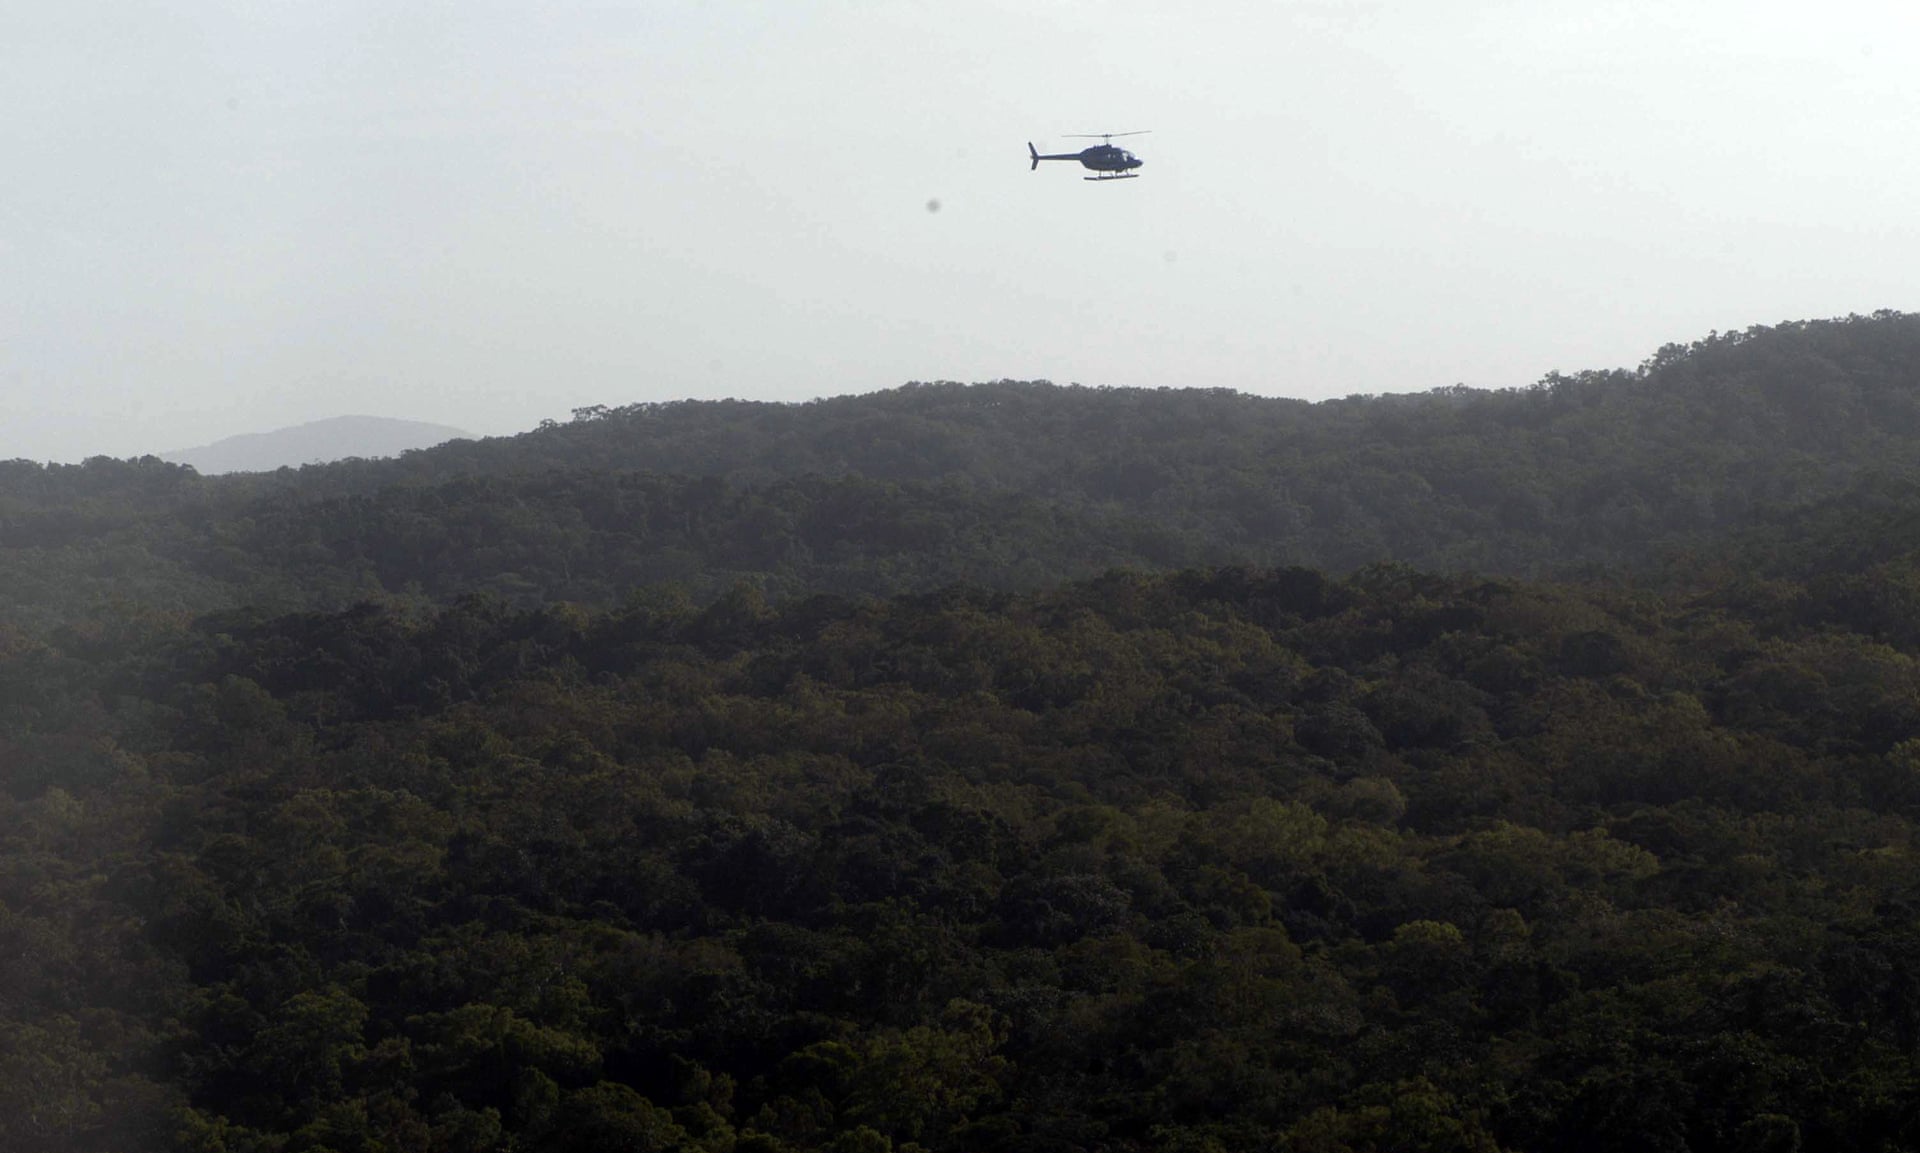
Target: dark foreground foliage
[[1236, 859]]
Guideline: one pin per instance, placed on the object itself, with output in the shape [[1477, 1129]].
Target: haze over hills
[[737, 778], [1019, 485], [1824, 386], [316, 442]]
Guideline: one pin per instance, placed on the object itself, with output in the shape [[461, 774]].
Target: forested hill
[[1822, 389], [702, 831], [1596, 467], [1705, 448]]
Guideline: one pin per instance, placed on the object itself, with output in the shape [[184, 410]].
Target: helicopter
[[1107, 161]]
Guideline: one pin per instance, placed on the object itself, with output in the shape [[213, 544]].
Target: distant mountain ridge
[[1781, 451], [1845, 392], [1599, 469], [316, 442]]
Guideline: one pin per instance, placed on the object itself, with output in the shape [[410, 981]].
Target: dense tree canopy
[[1227, 859], [843, 777]]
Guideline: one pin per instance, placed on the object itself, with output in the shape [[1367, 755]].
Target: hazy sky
[[223, 218]]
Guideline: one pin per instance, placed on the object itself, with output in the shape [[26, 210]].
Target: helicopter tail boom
[[1038, 156]]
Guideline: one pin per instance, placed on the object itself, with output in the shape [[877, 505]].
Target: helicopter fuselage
[[1107, 158]]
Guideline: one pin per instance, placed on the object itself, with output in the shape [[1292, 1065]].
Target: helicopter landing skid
[[1115, 176]]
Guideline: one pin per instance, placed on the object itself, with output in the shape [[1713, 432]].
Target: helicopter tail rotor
[[1035, 153]]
